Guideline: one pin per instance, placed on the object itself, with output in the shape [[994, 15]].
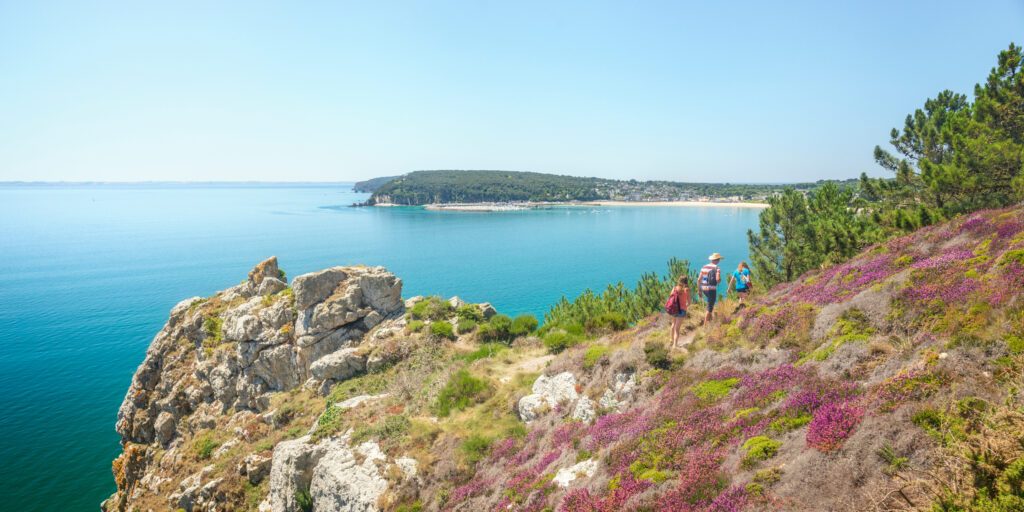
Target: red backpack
[[672, 304]]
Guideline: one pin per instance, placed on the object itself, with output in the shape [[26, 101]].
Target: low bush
[[213, 327], [204, 444], [712, 390], [557, 340], [415, 325], [390, 427], [466, 326], [498, 328], [470, 312], [442, 329], [608, 321], [523, 325], [431, 308], [759, 448], [593, 355], [475, 448], [789, 422], [304, 500], [656, 355], [461, 391]]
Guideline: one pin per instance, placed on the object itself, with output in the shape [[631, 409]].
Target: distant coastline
[[519, 206]]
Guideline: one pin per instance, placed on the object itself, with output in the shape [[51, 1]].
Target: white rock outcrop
[[548, 393], [565, 476]]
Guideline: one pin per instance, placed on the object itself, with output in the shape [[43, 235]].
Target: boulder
[[487, 309], [291, 471], [341, 365], [548, 392], [164, 427], [456, 302], [255, 467], [583, 469], [620, 393], [343, 484], [584, 410], [264, 269], [314, 287], [270, 286]]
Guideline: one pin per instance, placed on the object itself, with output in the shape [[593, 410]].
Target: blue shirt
[[738, 275]]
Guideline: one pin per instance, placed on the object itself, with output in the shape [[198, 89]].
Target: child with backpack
[[710, 276], [741, 279], [676, 305]]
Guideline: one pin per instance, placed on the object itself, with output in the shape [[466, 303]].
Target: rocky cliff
[[889, 382]]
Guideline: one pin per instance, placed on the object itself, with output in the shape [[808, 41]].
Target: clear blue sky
[[325, 91]]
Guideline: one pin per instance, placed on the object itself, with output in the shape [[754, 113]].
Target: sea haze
[[91, 271]]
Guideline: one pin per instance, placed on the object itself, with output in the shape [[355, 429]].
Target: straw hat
[[715, 256]]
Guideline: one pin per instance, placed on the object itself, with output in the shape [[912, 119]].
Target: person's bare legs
[[676, 322]]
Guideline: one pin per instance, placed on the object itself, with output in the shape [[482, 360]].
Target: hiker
[[678, 302], [710, 276], [741, 279]]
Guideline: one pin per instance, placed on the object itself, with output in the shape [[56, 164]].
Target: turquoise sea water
[[89, 274]]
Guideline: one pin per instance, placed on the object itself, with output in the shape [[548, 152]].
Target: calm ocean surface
[[90, 273]]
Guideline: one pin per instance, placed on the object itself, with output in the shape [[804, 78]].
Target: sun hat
[[715, 256]]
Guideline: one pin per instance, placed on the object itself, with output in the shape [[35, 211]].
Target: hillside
[[889, 382], [443, 187], [371, 185]]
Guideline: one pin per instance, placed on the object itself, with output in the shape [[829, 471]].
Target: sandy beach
[[679, 203]]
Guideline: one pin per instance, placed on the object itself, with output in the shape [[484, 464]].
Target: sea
[[89, 272]]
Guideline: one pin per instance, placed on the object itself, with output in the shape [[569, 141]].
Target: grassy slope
[[889, 382]]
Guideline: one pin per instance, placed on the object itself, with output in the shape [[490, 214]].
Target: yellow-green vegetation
[[559, 339], [442, 329], [789, 422], [470, 312], [656, 355], [466, 325], [759, 448], [461, 391], [204, 443], [213, 327], [475, 448], [712, 390], [895, 462], [415, 326], [768, 477], [387, 429], [852, 326], [941, 426], [743, 413], [594, 354], [431, 308]]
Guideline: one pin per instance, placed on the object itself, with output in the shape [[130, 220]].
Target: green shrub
[[465, 326], [767, 477], [759, 448], [204, 444], [523, 325], [415, 506], [593, 355], [470, 312], [461, 391], [786, 423], [712, 390], [390, 428], [415, 325], [213, 326], [304, 500], [498, 328], [558, 340], [1015, 344], [888, 455], [442, 329], [475, 448], [656, 355], [431, 308], [608, 321], [483, 351]]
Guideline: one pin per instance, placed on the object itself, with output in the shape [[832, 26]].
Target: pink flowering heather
[[950, 257], [518, 490], [581, 500], [1009, 229], [833, 422], [610, 427], [757, 388], [468, 490], [564, 435], [913, 384], [502, 449], [975, 222]]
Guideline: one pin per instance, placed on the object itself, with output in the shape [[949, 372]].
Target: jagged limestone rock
[[341, 365], [584, 410], [548, 393], [342, 484]]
